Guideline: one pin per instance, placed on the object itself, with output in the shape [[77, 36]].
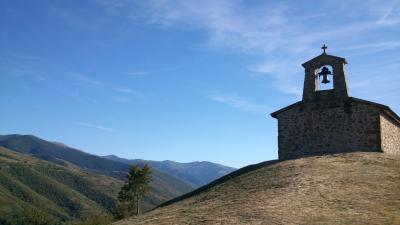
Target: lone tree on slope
[[137, 184]]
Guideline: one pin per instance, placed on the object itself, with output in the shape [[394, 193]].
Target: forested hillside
[[66, 183], [164, 186], [63, 193]]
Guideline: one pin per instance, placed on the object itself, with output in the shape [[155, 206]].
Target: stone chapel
[[329, 120]]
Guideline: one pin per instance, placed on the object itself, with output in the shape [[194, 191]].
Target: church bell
[[324, 73]]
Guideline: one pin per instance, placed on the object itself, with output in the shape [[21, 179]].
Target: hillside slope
[[163, 186], [59, 153], [65, 193], [194, 173], [355, 188]]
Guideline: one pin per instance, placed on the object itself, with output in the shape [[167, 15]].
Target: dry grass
[[354, 188]]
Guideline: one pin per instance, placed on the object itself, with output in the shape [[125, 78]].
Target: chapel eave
[[383, 108], [276, 113]]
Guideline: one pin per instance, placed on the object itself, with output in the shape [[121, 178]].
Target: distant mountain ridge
[[163, 186], [67, 183], [196, 174], [57, 153], [170, 179]]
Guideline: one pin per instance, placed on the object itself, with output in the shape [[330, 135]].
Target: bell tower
[[328, 121], [319, 67]]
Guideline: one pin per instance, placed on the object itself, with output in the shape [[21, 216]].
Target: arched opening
[[325, 78]]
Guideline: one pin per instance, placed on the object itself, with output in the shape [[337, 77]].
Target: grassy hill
[[194, 173], [354, 188], [62, 192]]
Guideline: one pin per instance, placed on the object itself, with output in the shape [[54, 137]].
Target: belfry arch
[[339, 83]]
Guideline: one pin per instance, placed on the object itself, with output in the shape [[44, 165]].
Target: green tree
[[137, 184]]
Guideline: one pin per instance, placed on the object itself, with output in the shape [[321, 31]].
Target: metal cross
[[324, 47]]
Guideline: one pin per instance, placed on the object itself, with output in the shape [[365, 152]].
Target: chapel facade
[[329, 121]]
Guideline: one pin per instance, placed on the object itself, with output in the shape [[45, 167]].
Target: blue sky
[[182, 80]]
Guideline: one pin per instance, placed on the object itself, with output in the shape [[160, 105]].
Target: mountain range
[[194, 173], [67, 183]]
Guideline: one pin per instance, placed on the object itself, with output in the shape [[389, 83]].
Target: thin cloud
[[87, 80], [275, 31], [156, 70], [124, 95], [376, 46], [391, 11], [67, 82], [137, 73], [126, 90], [98, 127], [238, 102], [74, 19], [121, 99]]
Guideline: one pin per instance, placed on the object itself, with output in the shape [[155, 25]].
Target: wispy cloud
[[137, 73], [126, 90], [282, 34], [392, 11], [87, 80], [141, 73], [125, 94], [239, 102], [22, 65], [76, 18], [98, 127], [121, 99], [62, 80], [376, 46]]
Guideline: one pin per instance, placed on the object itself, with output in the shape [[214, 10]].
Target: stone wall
[[331, 126], [390, 135]]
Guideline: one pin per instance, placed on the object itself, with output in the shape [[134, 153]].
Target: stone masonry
[[329, 121], [390, 135]]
